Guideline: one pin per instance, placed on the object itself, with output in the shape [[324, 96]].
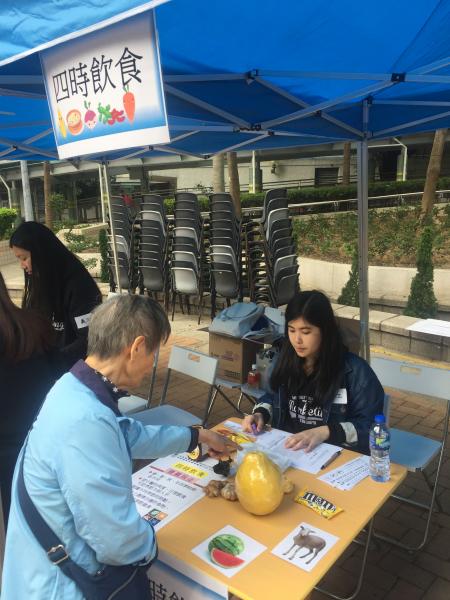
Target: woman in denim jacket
[[322, 393]]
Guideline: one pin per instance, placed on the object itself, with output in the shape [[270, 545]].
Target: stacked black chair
[[271, 252], [225, 250], [125, 246], [187, 256], [152, 228]]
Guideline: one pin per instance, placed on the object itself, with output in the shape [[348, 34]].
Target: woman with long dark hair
[[26, 374], [321, 392], [57, 285]]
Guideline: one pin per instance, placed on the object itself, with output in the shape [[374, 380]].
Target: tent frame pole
[[363, 226], [27, 201], [107, 188]]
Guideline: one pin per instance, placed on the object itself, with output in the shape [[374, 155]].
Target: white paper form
[[434, 326], [273, 440], [312, 461], [348, 475]]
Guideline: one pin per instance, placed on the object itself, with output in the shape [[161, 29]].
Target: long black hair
[[51, 264], [315, 308], [23, 333]]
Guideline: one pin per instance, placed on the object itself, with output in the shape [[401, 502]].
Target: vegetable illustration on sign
[[90, 117], [129, 104], [104, 113], [62, 124], [116, 115], [74, 122]]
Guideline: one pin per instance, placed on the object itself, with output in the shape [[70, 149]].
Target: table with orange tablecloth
[[268, 577]]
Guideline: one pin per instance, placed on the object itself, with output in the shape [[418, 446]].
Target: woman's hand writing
[[255, 420], [309, 439]]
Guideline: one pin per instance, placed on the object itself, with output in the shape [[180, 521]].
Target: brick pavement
[[392, 574]]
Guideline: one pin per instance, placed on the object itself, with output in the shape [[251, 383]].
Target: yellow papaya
[[259, 484]]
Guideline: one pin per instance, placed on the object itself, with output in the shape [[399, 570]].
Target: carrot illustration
[[129, 104]]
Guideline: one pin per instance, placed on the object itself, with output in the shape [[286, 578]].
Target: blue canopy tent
[[252, 75]]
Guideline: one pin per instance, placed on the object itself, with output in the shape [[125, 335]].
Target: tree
[[103, 247], [350, 292], [59, 204], [47, 191], [346, 164], [233, 179], [422, 301], [433, 172], [218, 173]]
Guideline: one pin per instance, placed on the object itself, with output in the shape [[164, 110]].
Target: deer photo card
[[305, 546]]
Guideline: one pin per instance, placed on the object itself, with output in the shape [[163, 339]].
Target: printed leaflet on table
[[348, 475], [168, 486]]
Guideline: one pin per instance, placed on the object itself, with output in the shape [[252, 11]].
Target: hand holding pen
[[253, 423]]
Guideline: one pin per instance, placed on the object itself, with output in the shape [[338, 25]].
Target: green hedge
[[332, 192], [7, 218]]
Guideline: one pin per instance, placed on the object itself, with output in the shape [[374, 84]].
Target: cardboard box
[[235, 356], [350, 333]]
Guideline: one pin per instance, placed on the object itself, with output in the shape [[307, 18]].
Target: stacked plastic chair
[[187, 255], [224, 250], [152, 228], [125, 246], [271, 252]]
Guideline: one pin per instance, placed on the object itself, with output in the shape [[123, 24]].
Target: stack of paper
[[311, 462], [273, 440], [348, 475]]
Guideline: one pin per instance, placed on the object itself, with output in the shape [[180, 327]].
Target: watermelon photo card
[[228, 550], [305, 546]]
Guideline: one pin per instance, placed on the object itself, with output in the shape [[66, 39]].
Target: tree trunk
[[346, 164], [233, 178], [433, 172], [47, 193], [218, 173], [258, 177]]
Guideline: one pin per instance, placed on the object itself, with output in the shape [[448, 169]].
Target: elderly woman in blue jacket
[[321, 392], [77, 461]]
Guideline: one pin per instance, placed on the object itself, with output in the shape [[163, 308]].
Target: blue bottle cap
[[380, 419]]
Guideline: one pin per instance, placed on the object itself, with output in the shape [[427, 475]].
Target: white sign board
[[172, 579], [105, 89]]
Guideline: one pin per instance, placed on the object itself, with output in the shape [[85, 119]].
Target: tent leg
[[363, 249], [27, 201], [107, 191]]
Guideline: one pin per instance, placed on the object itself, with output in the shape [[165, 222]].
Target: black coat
[[77, 295], [23, 387]]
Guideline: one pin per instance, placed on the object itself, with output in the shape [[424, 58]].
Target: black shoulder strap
[[44, 535]]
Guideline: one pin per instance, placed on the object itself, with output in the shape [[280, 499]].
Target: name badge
[[341, 397], [83, 321]]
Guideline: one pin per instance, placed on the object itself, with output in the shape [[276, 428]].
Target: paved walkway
[[392, 574]]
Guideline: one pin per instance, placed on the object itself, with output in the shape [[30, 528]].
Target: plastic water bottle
[[380, 444]]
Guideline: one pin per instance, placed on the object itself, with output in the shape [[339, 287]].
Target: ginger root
[[287, 485], [213, 488], [229, 491]]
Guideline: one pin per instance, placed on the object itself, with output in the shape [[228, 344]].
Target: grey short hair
[[116, 323]]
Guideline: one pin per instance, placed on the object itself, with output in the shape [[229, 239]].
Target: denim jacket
[[365, 399]]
